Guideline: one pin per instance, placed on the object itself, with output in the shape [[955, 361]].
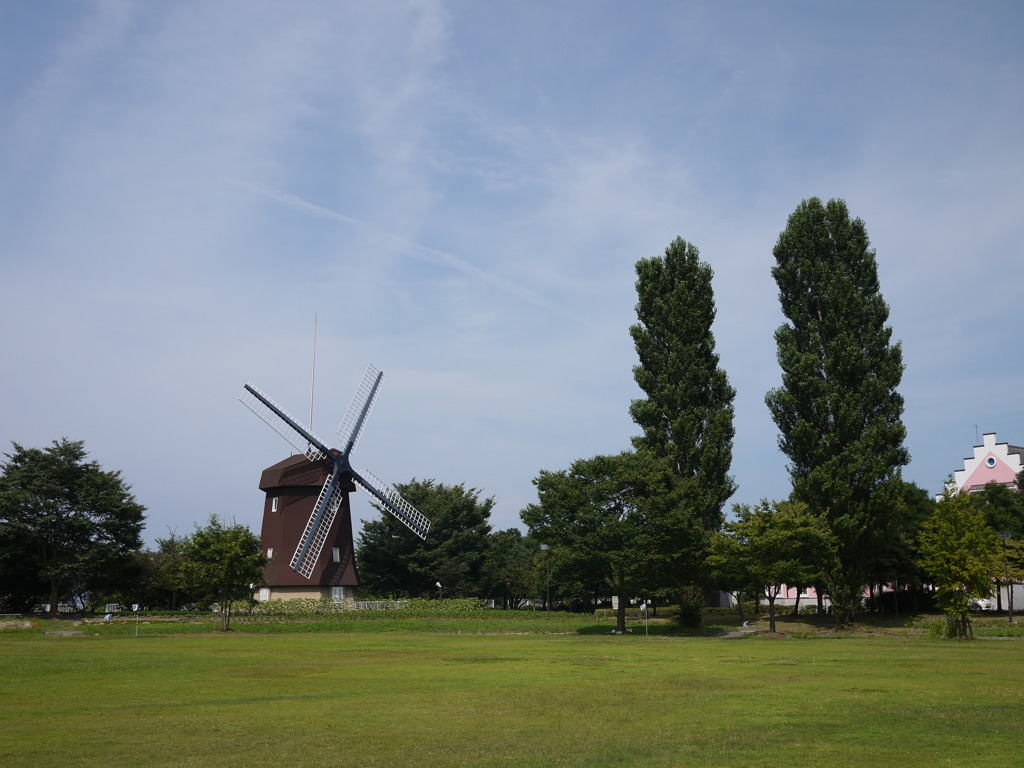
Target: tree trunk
[[771, 613], [54, 612], [225, 613], [620, 615], [959, 627], [796, 605]]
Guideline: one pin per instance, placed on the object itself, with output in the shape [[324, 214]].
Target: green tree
[[393, 561], [838, 410], [509, 574], [899, 563], [1011, 568], [222, 563], [773, 544], [65, 523], [1003, 508], [22, 583], [687, 414], [616, 516], [156, 578], [165, 584], [727, 572], [959, 552]]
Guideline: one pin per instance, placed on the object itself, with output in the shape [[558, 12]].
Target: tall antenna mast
[[312, 378]]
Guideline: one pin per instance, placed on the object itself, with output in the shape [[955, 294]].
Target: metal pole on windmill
[[312, 377]]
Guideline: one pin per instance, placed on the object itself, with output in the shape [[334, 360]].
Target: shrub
[[357, 609]]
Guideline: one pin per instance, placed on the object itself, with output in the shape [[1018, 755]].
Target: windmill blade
[[281, 422], [311, 544], [351, 426], [393, 502]]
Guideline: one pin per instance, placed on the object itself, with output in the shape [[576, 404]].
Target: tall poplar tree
[[838, 409], [687, 415]]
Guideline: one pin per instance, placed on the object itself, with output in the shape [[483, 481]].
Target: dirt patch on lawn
[[10, 626]]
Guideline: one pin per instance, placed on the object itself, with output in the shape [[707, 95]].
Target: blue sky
[[459, 191]]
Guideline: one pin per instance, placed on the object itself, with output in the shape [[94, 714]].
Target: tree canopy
[[1003, 508], [618, 518], [393, 561], [512, 572], [222, 563], [838, 410], [68, 528], [959, 552], [898, 561], [770, 545], [687, 412]]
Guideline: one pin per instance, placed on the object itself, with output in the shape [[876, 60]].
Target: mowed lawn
[[428, 699]]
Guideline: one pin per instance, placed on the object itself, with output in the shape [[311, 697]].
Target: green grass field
[[452, 694]]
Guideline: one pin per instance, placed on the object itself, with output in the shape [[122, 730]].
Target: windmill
[[292, 477]]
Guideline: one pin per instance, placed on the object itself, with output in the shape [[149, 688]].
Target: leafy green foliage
[[394, 562], [1003, 508], [222, 563], [1011, 555], [408, 608], [167, 585], [616, 518], [513, 569], [158, 581], [898, 562], [772, 544], [959, 554], [67, 527], [838, 410], [687, 414]]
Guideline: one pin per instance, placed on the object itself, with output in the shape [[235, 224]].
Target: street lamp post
[[547, 577]]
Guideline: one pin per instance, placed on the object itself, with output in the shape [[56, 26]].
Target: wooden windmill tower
[[306, 514]]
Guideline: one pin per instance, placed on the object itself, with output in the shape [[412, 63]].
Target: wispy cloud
[[418, 251]]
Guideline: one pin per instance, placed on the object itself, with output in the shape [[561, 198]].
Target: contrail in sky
[[416, 250]]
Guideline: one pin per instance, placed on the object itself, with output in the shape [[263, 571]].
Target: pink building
[[992, 462], [808, 597]]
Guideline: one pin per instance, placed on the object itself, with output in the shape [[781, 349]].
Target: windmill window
[[273, 504], [336, 554], [270, 552], [990, 462], [337, 594]]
